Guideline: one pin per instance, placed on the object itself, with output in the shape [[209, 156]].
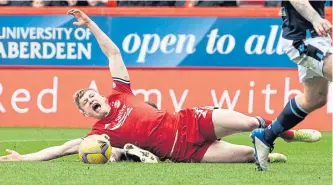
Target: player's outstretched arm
[[116, 63], [322, 26], [68, 148]]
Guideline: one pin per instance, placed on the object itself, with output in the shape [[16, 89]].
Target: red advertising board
[[40, 97], [43, 97]]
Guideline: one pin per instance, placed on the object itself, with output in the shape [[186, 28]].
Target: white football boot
[[137, 154]]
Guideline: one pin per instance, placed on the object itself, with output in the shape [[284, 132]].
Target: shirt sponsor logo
[[121, 118]]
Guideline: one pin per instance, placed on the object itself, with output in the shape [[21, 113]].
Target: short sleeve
[[121, 85]]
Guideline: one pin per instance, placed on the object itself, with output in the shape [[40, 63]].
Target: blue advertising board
[[144, 42]]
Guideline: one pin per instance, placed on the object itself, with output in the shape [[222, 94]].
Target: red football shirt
[[131, 120]]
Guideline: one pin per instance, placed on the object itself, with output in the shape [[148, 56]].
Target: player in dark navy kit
[[306, 41]]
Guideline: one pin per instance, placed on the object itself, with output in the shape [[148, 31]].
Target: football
[[95, 149]]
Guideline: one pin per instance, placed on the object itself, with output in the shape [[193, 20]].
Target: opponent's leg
[[314, 97], [303, 135], [224, 152]]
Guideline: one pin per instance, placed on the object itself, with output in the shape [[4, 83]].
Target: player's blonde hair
[[78, 95]]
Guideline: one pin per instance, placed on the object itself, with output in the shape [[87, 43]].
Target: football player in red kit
[[190, 135]]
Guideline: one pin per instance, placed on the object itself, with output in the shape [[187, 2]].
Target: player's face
[[94, 105]]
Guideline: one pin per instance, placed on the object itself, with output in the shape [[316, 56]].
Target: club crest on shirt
[[116, 104]]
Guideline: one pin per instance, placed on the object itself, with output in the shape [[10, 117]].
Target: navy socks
[[291, 115]]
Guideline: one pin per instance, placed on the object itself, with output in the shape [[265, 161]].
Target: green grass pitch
[[307, 164]]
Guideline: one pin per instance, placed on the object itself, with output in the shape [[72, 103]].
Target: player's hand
[[12, 156], [82, 18], [322, 27]]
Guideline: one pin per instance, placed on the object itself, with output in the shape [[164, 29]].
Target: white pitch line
[[31, 140]]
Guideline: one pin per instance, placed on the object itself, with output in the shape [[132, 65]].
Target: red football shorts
[[194, 135]]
